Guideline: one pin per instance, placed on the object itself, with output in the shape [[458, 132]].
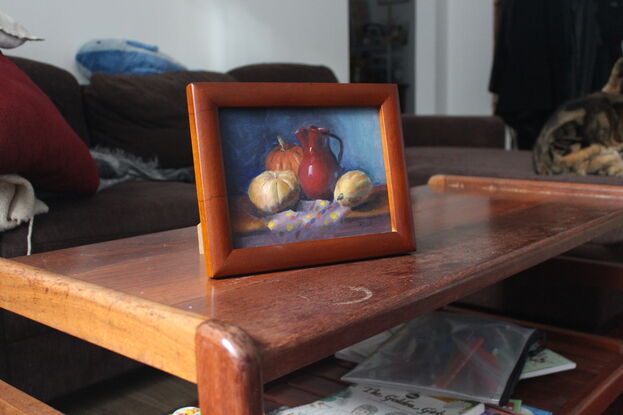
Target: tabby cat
[[585, 136]]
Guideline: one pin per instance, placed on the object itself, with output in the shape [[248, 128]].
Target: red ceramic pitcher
[[319, 169]]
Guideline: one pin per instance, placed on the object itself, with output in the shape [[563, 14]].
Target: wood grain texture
[[489, 184], [204, 100], [16, 402], [142, 391], [145, 296], [599, 393], [157, 335], [229, 371], [466, 240]]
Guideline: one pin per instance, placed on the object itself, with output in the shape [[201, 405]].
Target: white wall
[[454, 52], [429, 51], [303, 31], [202, 34], [67, 24]]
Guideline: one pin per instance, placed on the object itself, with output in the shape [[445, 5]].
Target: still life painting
[[290, 175], [303, 174]]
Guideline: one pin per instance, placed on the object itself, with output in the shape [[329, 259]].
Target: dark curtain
[[548, 52]]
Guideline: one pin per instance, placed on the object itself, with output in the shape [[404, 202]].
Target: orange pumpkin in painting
[[284, 156]]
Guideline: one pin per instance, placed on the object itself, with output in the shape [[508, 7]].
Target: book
[[516, 410], [544, 363], [372, 400], [534, 411]]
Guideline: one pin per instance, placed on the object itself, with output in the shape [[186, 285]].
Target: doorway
[[382, 45]]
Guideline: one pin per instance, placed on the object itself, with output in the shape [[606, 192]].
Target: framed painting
[[291, 175]]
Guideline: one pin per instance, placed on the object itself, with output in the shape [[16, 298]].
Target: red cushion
[[35, 140]]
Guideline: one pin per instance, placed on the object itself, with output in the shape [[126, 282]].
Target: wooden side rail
[[15, 402], [494, 184]]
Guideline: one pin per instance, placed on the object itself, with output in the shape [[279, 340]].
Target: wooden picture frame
[[220, 111]]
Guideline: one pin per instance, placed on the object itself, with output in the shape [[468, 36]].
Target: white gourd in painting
[[274, 190]]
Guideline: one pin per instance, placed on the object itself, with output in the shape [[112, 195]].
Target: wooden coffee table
[[148, 297]]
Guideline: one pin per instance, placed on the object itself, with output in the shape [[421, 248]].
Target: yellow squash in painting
[[274, 191], [353, 188]]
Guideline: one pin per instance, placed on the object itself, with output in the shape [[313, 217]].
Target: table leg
[[229, 376]]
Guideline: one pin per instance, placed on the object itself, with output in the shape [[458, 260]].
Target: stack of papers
[[371, 400]]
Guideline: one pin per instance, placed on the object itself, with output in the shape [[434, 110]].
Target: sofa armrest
[[456, 131]]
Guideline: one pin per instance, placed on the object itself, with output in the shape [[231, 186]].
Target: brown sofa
[[147, 116]]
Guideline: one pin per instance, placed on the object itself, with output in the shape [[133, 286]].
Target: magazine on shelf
[[544, 363], [371, 400]]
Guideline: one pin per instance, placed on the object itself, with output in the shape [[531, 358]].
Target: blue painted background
[[248, 135]]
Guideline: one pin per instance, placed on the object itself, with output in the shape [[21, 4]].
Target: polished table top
[[144, 296]]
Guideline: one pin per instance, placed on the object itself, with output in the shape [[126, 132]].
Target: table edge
[[149, 332]]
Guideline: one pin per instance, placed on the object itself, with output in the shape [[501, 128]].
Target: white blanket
[[18, 203]]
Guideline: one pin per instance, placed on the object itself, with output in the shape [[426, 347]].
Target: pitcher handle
[[339, 156]]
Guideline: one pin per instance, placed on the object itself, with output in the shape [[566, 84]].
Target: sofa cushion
[[145, 115], [53, 364], [423, 162], [283, 72], [553, 301], [600, 249], [35, 140], [451, 130], [62, 89], [127, 209]]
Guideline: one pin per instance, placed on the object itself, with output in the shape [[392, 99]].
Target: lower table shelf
[[588, 389], [307, 385]]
